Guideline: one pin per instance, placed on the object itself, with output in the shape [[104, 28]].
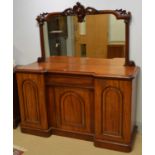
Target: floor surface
[[57, 145]]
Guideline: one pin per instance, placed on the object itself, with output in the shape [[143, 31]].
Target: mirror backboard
[[85, 32]]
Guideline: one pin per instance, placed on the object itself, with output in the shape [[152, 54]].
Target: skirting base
[[112, 145], [116, 145], [77, 135], [85, 136], [37, 132]]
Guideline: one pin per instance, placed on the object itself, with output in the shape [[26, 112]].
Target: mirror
[[98, 36], [85, 32]]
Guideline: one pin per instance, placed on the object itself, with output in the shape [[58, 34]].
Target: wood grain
[[91, 99], [32, 100], [96, 67]]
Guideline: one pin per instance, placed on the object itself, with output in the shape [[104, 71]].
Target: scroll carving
[[123, 13], [41, 18], [80, 11]]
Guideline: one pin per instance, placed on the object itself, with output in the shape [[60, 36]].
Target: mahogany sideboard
[[86, 98]]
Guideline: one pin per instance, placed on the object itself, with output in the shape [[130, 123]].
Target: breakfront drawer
[[84, 81]]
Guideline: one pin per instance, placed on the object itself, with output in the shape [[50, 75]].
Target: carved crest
[[80, 11], [41, 18]]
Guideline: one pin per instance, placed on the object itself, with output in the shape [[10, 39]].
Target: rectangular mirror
[[98, 36], [85, 32]]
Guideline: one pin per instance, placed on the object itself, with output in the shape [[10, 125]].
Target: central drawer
[[81, 81]]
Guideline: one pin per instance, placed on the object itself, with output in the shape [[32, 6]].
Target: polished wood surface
[[33, 107], [113, 111], [73, 109], [86, 98], [97, 67]]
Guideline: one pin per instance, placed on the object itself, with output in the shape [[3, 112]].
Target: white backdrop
[[26, 31]]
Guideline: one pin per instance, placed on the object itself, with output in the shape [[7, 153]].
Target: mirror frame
[[80, 11]]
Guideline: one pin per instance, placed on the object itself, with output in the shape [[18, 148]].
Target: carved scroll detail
[[123, 13], [80, 11], [41, 18]]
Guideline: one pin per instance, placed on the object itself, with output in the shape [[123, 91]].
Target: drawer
[[70, 80]]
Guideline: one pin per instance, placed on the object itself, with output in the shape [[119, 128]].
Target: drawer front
[[84, 81]]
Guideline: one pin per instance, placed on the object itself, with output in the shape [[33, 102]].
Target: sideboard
[[87, 98]]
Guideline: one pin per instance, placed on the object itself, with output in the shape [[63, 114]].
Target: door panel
[[112, 110], [32, 100], [112, 104], [74, 108]]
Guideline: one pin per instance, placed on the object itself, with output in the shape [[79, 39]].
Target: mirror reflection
[[99, 36]]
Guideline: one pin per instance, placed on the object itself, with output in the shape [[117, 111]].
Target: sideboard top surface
[[82, 66]]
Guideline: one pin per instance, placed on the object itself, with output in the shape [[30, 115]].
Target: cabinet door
[[32, 100], [74, 109], [113, 110]]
